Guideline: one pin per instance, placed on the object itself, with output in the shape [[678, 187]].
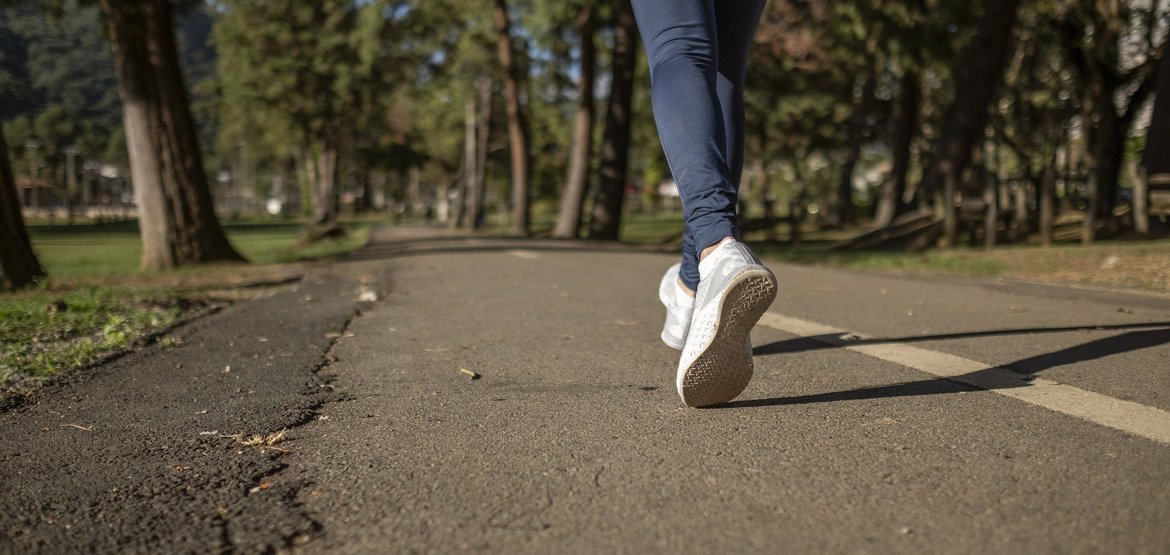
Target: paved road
[[887, 414]]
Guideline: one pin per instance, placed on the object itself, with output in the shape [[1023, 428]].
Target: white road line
[[526, 255], [1127, 416]]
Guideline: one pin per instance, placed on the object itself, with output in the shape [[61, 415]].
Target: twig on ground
[[469, 373]]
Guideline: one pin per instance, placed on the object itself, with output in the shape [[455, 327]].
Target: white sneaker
[[679, 306], [735, 290]]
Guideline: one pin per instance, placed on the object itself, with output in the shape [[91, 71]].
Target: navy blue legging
[[698, 51]]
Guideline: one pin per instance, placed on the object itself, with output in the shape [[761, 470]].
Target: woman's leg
[[735, 26], [681, 45]]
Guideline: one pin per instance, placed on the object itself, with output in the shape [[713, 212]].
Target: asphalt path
[[888, 414]]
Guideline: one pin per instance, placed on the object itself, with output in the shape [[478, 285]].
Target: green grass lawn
[[944, 262], [96, 299], [112, 250]]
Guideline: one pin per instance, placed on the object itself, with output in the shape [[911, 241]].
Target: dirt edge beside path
[[157, 450]]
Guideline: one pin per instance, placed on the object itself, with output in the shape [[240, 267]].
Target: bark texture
[[19, 266], [577, 181], [321, 169], [517, 123], [483, 132], [615, 146], [176, 212], [980, 71]]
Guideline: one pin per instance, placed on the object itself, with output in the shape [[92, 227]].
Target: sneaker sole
[[722, 371]]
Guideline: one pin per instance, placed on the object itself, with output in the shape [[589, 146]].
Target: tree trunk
[[1156, 157], [483, 128], [365, 202], [176, 212], [517, 125], [1102, 80], [443, 203], [1141, 203], [466, 208], [893, 201], [1093, 95], [18, 263], [607, 208], [950, 215], [1089, 224], [577, 182], [1108, 151], [321, 166], [979, 74], [991, 209], [418, 204], [1047, 204], [844, 212]]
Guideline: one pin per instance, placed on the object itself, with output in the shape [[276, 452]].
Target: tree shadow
[[1014, 374]]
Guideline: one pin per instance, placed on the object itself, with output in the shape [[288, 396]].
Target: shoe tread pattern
[[722, 371]]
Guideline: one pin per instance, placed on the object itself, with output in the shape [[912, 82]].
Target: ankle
[[710, 249], [687, 290]]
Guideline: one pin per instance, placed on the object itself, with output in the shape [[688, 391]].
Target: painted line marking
[[526, 255], [1127, 416]]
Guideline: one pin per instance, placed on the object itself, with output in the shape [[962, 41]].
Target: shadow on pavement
[[818, 342], [936, 386], [990, 379]]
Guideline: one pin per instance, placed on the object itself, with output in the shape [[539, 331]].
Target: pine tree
[[615, 145], [176, 215], [518, 133]]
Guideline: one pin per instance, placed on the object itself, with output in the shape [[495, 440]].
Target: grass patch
[[652, 228], [44, 332], [98, 301], [1143, 265], [113, 250], [942, 262]]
